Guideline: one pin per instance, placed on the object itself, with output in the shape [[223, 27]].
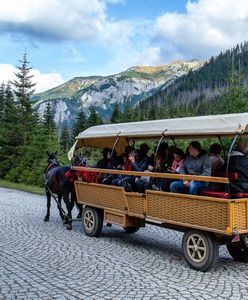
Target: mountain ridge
[[134, 84]]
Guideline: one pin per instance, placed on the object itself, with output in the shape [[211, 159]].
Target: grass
[[22, 187]]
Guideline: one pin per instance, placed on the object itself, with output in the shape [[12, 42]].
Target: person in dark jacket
[[239, 164], [196, 163], [139, 162]]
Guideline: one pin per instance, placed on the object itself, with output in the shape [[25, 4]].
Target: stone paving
[[45, 261]]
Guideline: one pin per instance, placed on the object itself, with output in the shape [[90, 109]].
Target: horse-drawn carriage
[[207, 221]]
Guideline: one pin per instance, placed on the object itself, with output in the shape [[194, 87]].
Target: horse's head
[[52, 158], [80, 161]]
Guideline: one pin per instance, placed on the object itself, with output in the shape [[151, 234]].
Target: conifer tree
[[116, 114], [2, 99], [80, 123], [48, 121], [127, 114], [9, 134], [64, 139], [93, 119], [23, 90], [234, 98]]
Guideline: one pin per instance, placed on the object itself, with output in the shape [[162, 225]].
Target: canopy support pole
[[227, 186], [115, 143], [160, 141], [222, 146]]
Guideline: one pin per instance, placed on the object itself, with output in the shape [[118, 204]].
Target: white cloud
[[205, 29], [150, 56], [43, 81], [81, 20], [46, 81]]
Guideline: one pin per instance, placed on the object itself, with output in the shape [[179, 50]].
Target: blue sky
[[69, 38]]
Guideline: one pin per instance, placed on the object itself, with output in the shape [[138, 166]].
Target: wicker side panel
[[100, 195], [240, 215], [136, 204], [188, 211], [113, 218]]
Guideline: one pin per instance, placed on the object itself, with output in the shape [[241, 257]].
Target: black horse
[[56, 182]]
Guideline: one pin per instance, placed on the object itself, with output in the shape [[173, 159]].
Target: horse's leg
[[48, 195], [79, 206], [69, 205], [59, 208]]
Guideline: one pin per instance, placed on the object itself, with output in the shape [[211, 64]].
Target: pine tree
[[80, 123], [48, 121], [23, 90], [127, 115], [234, 98], [116, 114], [10, 136], [2, 100], [64, 139], [94, 118]]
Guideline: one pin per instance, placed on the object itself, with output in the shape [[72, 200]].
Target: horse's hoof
[[69, 227], [65, 221], [46, 219]]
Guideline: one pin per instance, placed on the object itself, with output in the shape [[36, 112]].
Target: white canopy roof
[[202, 126]]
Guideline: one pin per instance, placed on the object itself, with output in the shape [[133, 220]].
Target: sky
[[69, 38]]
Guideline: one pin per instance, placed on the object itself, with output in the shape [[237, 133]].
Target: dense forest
[[25, 136], [204, 91], [218, 87]]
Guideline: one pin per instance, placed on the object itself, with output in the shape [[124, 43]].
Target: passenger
[[170, 154], [127, 181], [103, 163], [217, 162], [128, 164], [178, 160], [112, 164], [239, 163], [196, 163], [160, 165], [139, 162]]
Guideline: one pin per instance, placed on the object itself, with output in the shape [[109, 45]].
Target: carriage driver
[[196, 163]]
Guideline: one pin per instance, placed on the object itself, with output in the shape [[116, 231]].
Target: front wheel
[[239, 250], [92, 221], [200, 250]]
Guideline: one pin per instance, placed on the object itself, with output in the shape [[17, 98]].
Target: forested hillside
[[201, 91]]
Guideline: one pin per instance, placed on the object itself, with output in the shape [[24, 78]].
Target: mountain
[[135, 84]]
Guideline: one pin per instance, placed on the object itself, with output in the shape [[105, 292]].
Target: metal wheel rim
[[196, 248], [89, 220]]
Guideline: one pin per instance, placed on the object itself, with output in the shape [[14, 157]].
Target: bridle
[[52, 162]]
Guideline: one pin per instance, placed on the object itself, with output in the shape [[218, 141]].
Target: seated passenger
[[139, 162], [239, 163], [113, 163], [196, 163], [217, 162], [103, 163], [178, 160], [160, 165]]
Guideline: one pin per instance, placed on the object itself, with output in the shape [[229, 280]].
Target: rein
[[49, 166]]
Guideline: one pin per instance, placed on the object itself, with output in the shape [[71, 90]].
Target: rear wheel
[[92, 221], [200, 250], [239, 250], [131, 229]]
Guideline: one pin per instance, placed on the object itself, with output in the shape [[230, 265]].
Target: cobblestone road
[[45, 261]]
